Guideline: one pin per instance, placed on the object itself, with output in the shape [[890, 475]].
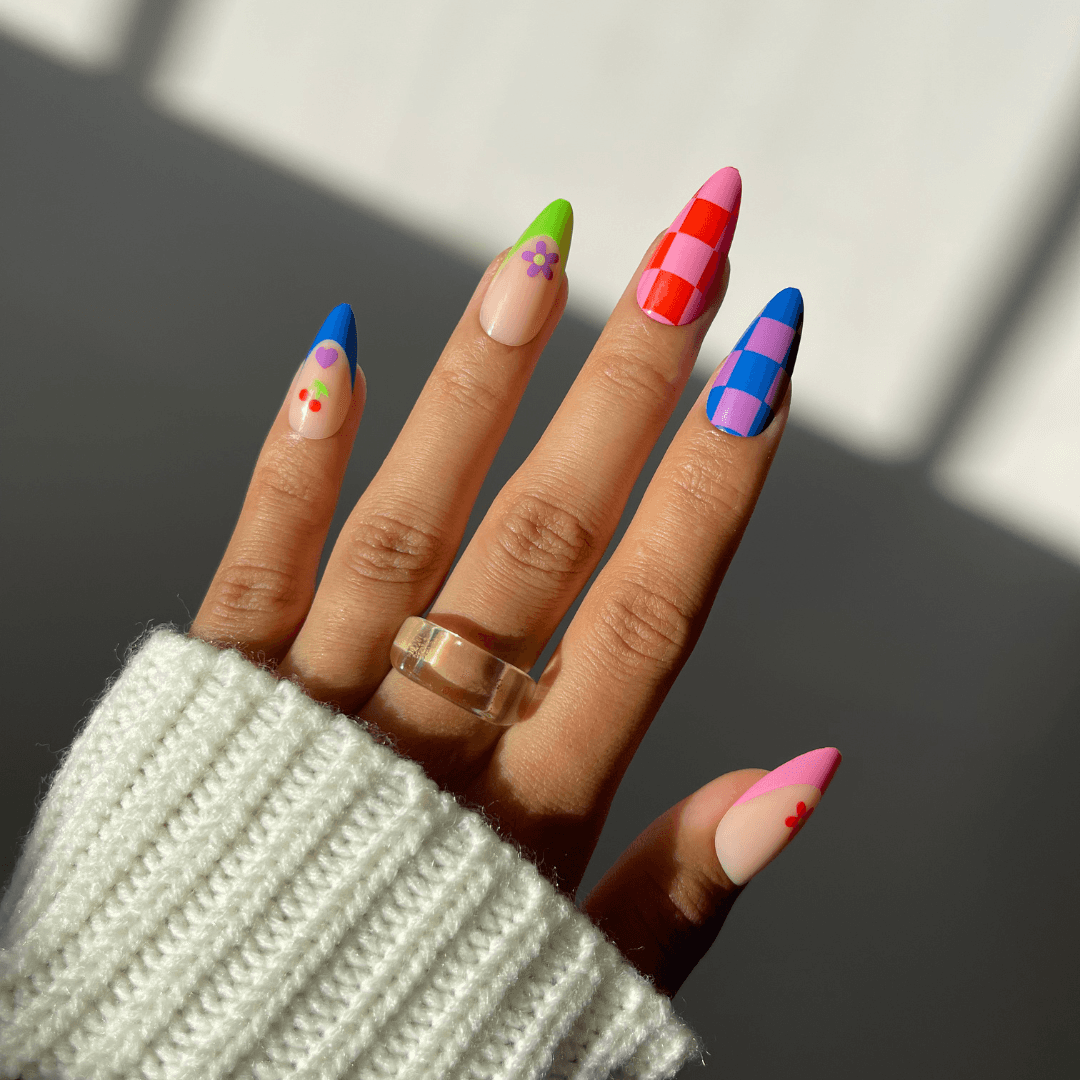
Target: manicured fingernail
[[322, 392], [524, 288], [751, 382], [674, 286], [761, 823]]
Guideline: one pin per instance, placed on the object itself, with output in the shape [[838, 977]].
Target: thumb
[[664, 901]]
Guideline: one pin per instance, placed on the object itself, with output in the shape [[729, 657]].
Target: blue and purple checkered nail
[[751, 381]]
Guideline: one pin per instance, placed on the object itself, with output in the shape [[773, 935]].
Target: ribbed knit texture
[[227, 879]]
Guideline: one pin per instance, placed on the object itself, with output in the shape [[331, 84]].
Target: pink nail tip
[[723, 188], [816, 768]]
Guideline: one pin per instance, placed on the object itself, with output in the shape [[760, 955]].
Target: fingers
[[664, 901], [264, 584], [641, 618], [549, 526], [398, 543]]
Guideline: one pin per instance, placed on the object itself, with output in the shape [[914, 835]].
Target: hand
[[547, 782]]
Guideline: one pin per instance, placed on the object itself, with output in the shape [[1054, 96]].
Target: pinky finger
[[664, 901]]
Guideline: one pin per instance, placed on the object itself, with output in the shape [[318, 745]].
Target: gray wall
[[161, 287]]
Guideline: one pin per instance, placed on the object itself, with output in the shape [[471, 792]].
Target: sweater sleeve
[[227, 879]]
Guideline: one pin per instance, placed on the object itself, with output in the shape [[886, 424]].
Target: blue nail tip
[[340, 326], [751, 382], [786, 307]]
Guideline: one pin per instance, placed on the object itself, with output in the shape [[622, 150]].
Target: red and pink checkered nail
[[673, 287]]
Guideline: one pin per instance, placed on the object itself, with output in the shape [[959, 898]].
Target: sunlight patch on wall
[[888, 151], [85, 33], [1018, 459], [895, 161]]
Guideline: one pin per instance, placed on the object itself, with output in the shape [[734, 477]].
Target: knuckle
[[708, 487], [634, 375], [382, 547], [643, 625], [538, 535], [243, 589], [283, 483], [464, 384]]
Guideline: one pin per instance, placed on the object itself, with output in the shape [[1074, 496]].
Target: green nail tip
[[555, 220]]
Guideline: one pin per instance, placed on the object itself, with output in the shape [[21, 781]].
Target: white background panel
[[887, 150]]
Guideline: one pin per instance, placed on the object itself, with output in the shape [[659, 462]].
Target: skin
[[547, 782]]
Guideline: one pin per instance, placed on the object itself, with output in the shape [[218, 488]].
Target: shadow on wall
[[158, 290]]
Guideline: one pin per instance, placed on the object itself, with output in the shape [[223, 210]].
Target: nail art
[[761, 823], [751, 382], [520, 296], [674, 285], [322, 391]]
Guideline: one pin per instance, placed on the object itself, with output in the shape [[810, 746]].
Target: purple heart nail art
[[325, 355]]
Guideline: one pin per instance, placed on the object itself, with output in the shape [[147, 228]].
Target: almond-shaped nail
[[749, 385], [673, 287], [762, 821], [323, 390], [520, 296]]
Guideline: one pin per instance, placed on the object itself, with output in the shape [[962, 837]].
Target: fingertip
[[676, 284], [520, 296], [767, 816], [340, 326], [745, 391]]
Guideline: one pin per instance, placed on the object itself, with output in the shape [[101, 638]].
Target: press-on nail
[[322, 392], [674, 285], [750, 384], [520, 296], [761, 823]]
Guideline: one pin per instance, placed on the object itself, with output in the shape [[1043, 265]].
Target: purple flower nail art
[[541, 260]]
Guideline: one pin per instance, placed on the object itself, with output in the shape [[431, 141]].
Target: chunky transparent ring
[[461, 672]]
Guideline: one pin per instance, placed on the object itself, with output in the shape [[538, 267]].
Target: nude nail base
[[765, 819], [520, 297], [322, 391]]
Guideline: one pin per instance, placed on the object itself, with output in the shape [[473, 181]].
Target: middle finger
[[549, 526]]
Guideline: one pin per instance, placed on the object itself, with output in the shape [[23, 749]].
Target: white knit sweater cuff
[[227, 879]]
